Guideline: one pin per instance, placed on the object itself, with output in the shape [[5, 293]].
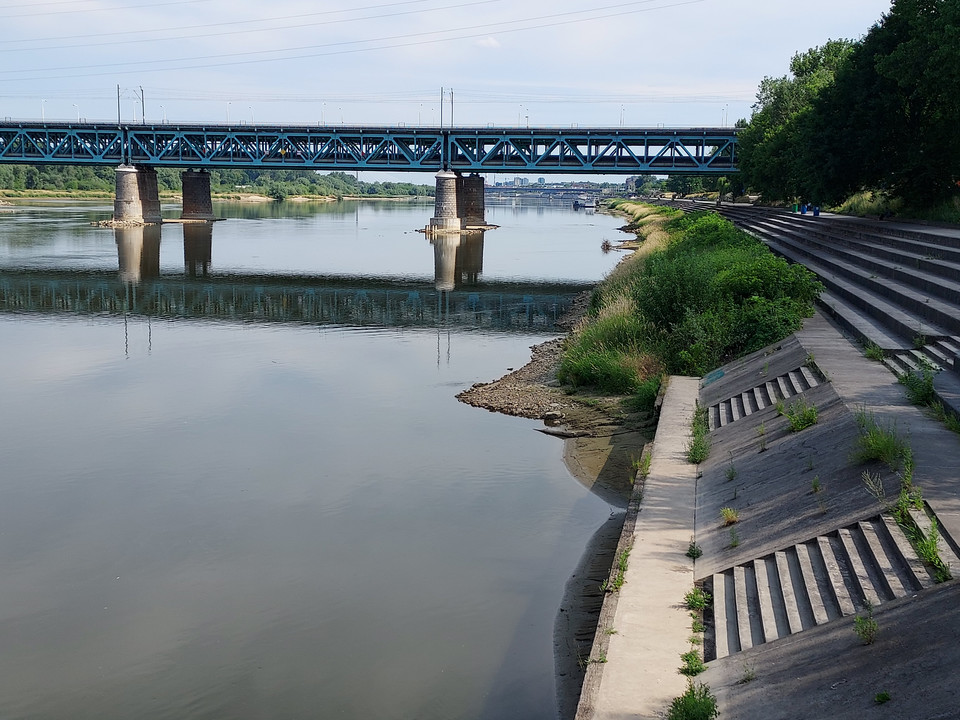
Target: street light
[[164, 114], [253, 120], [78, 111], [43, 113], [228, 112]]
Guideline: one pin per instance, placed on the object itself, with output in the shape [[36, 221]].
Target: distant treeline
[[880, 113], [275, 183]]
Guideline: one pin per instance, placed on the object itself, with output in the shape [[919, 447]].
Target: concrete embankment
[[810, 549]]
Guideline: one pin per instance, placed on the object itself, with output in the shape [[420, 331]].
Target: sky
[[558, 63]]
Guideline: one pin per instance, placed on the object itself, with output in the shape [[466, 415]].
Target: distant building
[[541, 181]]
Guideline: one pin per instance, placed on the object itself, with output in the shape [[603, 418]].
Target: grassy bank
[[876, 204], [697, 293]]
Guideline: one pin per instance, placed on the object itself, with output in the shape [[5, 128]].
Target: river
[[236, 482]]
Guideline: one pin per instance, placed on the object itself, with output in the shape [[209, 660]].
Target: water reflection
[[457, 296], [197, 248], [457, 259], [138, 252]]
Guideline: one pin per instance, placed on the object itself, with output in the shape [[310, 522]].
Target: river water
[[236, 482]]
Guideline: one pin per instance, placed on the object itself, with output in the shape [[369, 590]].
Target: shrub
[[730, 516], [697, 703], [692, 663]]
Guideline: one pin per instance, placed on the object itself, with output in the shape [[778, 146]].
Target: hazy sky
[[562, 62]]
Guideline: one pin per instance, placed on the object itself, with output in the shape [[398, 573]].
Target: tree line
[[278, 184], [879, 113]]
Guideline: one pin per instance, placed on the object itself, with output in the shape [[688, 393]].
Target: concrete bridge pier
[[137, 199], [197, 204], [470, 205]]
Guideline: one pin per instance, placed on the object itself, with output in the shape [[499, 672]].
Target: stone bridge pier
[[459, 204], [137, 199]]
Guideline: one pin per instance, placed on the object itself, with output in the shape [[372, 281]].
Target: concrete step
[[870, 292], [927, 256], [815, 582], [781, 388], [897, 320]]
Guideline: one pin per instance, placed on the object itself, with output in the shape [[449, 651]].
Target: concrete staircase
[[780, 388], [888, 285], [815, 582]]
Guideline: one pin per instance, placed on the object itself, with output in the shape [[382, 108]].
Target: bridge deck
[[513, 150]]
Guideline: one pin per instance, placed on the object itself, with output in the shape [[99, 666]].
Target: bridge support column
[[196, 196], [137, 199], [445, 219], [470, 203]]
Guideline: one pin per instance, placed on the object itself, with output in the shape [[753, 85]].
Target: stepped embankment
[[812, 547]]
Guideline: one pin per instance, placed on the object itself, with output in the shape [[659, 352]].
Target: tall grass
[[697, 294]]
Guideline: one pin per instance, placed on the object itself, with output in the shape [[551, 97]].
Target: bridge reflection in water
[[457, 297]]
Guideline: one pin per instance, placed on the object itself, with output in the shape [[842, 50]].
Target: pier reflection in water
[[456, 298], [270, 504]]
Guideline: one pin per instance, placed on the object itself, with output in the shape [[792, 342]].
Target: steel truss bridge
[[624, 151]]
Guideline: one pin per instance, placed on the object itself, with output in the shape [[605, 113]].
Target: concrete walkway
[[650, 627]]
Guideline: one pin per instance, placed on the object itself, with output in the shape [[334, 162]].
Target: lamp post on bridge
[[78, 111], [43, 111]]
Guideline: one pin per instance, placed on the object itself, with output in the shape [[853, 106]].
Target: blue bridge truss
[[624, 151]]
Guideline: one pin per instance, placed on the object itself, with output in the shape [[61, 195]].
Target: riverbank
[[603, 441]]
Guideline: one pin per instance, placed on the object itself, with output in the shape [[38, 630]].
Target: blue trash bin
[[816, 211], [803, 209]]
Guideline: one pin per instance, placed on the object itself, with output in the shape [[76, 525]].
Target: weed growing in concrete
[[881, 697], [865, 626], [697, 599], [611, 631], [642, 466], [874, 352], [879, 442], [816, 485], [731, 473], [749, 675], [799, 414], [601, 658], [697, 703], [919, 383], [734, 537], [874, 485], [928, 548], [693, 550], [762, 434], [729, 515], [692, 663], [698, 626], [695, 640], [699, 447], [919, 341], [909, 497]]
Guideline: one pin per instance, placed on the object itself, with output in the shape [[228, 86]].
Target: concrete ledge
[[644, 628]]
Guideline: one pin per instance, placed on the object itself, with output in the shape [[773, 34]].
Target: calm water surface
[[238, 483]]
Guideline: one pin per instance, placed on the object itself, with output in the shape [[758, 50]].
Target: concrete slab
[[651, 626]]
